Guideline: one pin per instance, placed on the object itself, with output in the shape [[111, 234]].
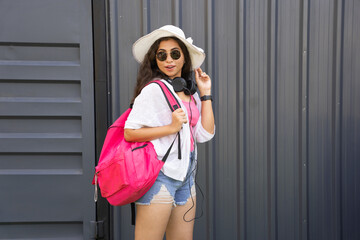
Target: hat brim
[[143, 44]]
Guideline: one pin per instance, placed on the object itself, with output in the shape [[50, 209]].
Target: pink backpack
[[127, 170]]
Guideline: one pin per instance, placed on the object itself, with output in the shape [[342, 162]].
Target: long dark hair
[[149, 69]]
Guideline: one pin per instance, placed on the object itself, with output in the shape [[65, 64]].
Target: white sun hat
[[143, 44]]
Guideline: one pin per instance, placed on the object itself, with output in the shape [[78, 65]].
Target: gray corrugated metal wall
[[285, 160]]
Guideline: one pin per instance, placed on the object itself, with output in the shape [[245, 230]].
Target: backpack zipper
[[139, 147]]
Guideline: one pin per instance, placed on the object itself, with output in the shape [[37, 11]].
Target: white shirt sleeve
[[150, 109]]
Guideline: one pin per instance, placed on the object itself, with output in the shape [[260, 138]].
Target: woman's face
[[171, 67]]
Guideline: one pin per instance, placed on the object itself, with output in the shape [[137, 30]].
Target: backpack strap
[[173, 105], [169, 95], [133, 213]]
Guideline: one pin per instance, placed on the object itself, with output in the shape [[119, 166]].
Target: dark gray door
[[46, 119]]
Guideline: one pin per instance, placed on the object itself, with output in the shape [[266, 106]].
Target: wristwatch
[[206, 97]]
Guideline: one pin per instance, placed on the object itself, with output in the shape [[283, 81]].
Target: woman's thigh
[[152, 220], [181, 222]]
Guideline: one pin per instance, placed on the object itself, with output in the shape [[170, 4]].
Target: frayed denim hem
[[180, 203], [142, 204]]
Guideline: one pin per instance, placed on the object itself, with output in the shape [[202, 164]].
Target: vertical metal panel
[[287, 120], [225, 174], [321, 122], [46, 119], [349, 176], [285, 73], [257, 122]]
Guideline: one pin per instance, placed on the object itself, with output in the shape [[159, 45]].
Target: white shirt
[[150, 109]]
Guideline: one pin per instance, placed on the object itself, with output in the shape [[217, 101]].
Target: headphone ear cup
[[191, 86], [179, 84]]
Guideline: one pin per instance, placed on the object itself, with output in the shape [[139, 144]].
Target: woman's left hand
[[203, 82]]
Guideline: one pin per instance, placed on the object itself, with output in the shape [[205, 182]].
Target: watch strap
[[206, 97]]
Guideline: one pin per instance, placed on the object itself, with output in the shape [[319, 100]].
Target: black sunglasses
[[174, 54]]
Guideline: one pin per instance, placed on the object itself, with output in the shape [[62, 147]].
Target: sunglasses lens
[[175, 54], [161, 56]]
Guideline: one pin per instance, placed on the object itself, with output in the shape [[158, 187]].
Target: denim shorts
[[168, 190]]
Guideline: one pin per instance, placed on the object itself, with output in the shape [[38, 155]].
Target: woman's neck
[[183, 96]]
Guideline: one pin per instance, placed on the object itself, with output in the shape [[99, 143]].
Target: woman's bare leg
[[178, 229], [152, 220]]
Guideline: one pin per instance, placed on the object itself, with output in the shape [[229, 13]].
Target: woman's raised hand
[[203, 82]]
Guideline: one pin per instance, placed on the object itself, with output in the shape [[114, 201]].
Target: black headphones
[[180, 84]]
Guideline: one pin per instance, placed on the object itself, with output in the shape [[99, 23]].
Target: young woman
[[169, 206]]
